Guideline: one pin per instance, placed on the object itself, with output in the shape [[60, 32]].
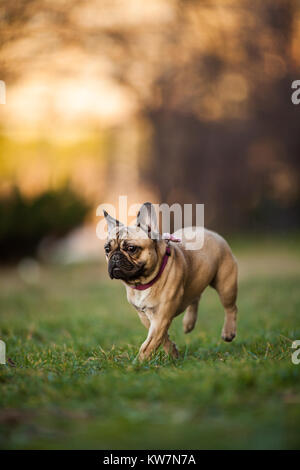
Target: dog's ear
[[147, 220], [111, 222]]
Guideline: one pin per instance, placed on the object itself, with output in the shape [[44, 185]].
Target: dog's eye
[[131, 248], [107, 249]]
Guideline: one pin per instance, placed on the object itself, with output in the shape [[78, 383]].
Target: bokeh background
[[168, 100], [185, 101]]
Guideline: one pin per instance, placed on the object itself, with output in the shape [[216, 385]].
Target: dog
[[163, 278]]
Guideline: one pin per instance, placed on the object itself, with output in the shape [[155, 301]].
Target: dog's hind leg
[[190, 316], [226, 286]]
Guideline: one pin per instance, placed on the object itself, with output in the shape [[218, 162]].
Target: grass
[[70, 381]]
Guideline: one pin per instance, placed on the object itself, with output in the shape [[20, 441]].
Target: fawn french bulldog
[[163, 278]]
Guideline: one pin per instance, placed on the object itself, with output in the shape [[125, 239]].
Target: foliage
[[25, 222]]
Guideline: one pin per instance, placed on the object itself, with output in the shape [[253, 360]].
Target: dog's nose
[[114, 266], [116, 258]]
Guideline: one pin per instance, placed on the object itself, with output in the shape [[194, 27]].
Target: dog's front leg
[[168, 345], [157, 334]]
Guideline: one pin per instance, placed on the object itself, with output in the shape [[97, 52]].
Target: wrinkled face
[[130, 253]]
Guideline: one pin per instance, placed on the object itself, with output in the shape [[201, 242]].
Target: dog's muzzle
[[119, 267]]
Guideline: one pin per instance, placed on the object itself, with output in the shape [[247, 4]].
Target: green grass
[[73, 338]]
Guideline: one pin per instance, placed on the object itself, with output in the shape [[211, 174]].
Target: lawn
[[70, 380]]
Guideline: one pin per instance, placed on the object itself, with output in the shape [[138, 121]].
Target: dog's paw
[[228, 337], [188, 327], [174, 352]]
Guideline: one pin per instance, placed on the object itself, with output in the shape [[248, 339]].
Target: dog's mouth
[[116, 273], [121, 268]]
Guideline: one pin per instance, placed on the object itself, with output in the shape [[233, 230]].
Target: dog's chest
[[140, 299]]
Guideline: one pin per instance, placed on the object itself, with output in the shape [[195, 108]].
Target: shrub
[[25, 222]]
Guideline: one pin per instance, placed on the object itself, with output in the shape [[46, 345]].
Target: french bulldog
[[163, 278]]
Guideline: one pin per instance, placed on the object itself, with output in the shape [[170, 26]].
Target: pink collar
[[168, 237]]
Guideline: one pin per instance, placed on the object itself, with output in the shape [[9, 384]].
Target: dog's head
[[133, 252]]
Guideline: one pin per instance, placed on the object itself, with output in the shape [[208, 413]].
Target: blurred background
[[169, 101], [185, 101]]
